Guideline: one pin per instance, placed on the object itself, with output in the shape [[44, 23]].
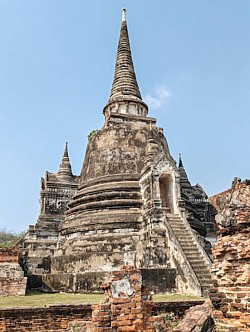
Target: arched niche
[[166, 192]]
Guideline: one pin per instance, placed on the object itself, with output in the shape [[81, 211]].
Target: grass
[[176, 297], [44, 299]]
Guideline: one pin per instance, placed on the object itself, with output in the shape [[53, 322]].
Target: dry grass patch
[[45, 299], [176, 297]]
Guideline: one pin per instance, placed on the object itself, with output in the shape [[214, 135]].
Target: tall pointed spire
[[65, 171], [124, 83], [180, 161], [125, 88], [184, 181]]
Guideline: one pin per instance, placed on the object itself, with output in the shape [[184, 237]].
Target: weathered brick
[[231, 258], [130, 312]]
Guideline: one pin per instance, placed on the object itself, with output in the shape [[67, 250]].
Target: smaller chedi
[[131, 205], [40, 241]]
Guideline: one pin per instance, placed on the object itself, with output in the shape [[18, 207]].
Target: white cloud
[[158, 97]]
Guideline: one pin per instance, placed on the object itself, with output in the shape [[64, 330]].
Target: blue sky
[[192, 60]]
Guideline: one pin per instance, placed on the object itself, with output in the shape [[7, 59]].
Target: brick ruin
[[127, 306], [12, 280], [77, 318], [52, 318], [198, 319], [230, 293]]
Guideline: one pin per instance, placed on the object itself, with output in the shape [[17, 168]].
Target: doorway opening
[[166, 192]]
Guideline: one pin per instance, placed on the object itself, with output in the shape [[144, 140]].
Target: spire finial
[[123, 14], [180, 161], [125, 92], [124, 84], [65, 171], [184, 182], [66, 150]]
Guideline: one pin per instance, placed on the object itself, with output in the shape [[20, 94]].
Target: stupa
[[128, 208]]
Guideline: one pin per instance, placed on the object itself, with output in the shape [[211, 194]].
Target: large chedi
[[128, 209]]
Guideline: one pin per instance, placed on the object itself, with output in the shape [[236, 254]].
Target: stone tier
[[111, 195], [159, 281], [88, 224]]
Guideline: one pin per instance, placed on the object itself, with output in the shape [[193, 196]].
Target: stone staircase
[[193, 251]]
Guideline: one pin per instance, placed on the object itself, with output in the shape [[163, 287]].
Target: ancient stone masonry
[[54, 318], [231, 271], [74, 318], [127, 307], [40, 242], [198, 319], [199, 209], [12, 280], [127, 207]]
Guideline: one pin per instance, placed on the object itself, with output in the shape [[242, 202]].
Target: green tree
[[9, 238], [92, 133]]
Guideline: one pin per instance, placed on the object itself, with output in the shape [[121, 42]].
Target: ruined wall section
[[54, 318], [128, 305], [231, 290], [12, 280]]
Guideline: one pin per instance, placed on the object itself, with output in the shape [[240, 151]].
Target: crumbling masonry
[[131, 205], [128, 305], [12, 280], [230, 293]]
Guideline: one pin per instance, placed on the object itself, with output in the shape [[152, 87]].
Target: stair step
[[200, 272], [201, 275], [188, 246], [181, 232], [191, 253], [197, 262], [205, 281], [179, 229], [188, 243], [192, 258], [199, 269]]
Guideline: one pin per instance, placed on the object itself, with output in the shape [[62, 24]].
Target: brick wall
[[35, 319], [46, 319], [128, 305], [9, 255], [12, 280], [230, 293]]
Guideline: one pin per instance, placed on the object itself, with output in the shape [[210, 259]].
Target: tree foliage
[[9, 238], [92, 133]]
